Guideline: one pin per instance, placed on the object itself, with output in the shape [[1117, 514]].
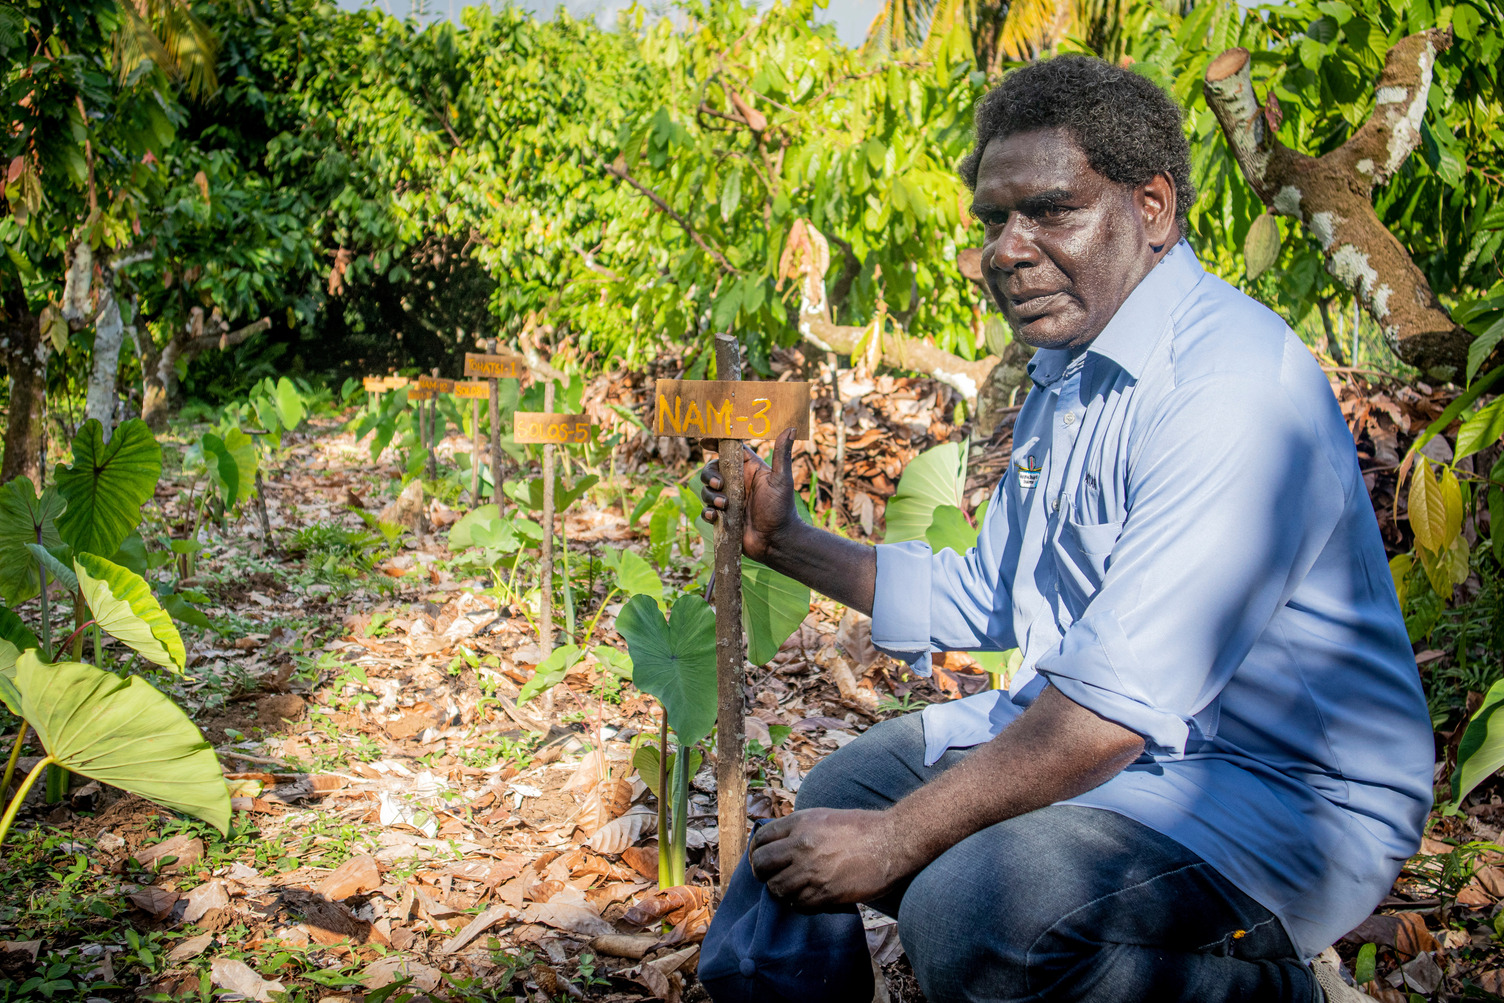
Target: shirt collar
[[1134, 330]]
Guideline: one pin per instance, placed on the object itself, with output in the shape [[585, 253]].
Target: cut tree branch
[[620, 172], [1332, 194]]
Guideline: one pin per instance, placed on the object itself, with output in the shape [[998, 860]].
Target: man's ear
[[1156, 205]]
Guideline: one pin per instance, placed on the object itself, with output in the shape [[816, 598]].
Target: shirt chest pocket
[[1083, 552]]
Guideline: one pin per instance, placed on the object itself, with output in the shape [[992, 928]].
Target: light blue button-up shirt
[[1183, 544]]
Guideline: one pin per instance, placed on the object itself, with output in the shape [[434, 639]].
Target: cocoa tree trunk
[[1332, 194], [26, 425], [109, 334]]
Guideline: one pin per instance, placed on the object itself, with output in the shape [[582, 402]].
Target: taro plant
[[673, 660]]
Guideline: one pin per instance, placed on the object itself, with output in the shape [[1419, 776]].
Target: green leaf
[[1364, 969], [635, 576], [550, 672], [1481, 752], [107, 485], [132, 554], [1451, 504], [182, 610], [773, 607], [1261, 246], [949, 528], [674, 660], [459, 533], [247, 456], [57, 571], [614, 661], [9, 695], [731, 194], [224, 472], [1483, 346], [1496, 522], [645, 762], [1481, 430], [24, 518], [290, 407], [1428, 517], [933, 478], [16, 633], [123, 604], [1323, 30], [124, 733], [1465, 21]]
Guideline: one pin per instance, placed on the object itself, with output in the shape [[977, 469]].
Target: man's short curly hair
[[1129, 129]]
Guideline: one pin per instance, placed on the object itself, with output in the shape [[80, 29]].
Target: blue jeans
[[1064, 903]]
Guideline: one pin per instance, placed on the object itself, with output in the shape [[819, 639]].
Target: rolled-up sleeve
[[1231, 495], [926, 601]]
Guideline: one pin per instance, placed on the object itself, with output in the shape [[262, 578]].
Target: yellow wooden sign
[[381, 384], [495, 367], [436, 384], [731, 409], [542, 426], [419, 394], [478, 389]]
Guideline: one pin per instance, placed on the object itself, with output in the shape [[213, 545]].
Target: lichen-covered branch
[[1332, 194]]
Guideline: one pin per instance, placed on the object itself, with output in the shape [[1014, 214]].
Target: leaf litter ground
[[401, 823]]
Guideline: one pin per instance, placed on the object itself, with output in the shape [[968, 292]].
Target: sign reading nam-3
[[731, 409]]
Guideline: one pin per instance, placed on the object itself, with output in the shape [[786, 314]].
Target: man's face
[[1064, 246]]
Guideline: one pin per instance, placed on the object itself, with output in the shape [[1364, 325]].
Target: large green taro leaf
[[674, 660], [24, 519], [247, 456], [634, 575], [15, 637], [107, 485], [933, 478], [645, 761], [290, 407], [124, 733], [126, 609], [773, 607]]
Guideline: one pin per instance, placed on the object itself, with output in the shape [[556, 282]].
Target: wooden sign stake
[[731, 775], [475, 453], [545, 602], [495, 413], [840, 416], [433, 432]]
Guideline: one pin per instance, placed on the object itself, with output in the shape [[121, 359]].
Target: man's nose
[[1013, 248]]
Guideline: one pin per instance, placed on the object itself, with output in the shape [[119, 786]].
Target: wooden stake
[[545, 602], [433, 432], [730, 774], [475, 453], [494, 409], [840, 417]]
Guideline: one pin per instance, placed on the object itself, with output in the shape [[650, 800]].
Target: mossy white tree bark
[[1332, 195]]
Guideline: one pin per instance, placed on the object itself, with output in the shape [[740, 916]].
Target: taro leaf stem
[[15, 754], [681, 816], [15, 802], [75, 636], [664, 860]]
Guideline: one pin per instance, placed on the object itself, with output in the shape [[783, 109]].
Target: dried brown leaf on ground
[[238, 977], [668, 903]]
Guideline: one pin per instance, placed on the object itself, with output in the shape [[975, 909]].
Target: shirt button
[[1055, 505], [1070, 418]]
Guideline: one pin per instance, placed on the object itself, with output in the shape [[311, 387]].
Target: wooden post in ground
[[433, 432], [730, 774], [546, 600], [839, 482], [494, 410]]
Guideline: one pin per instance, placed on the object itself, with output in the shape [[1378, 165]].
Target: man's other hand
[[769, 494], [824, 857]]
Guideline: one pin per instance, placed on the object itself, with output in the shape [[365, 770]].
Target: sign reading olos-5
[[542, 426], [731, 409]]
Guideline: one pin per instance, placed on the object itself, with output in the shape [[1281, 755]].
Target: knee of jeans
[[958, 940], [836, 781]]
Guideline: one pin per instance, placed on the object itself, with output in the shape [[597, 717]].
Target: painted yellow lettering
[[720, 417], [673, 416], [760, 414]]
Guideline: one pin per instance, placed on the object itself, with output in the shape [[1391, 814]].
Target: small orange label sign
[[541, 426]]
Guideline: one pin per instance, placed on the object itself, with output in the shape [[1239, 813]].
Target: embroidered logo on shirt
[[1028, 472]]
